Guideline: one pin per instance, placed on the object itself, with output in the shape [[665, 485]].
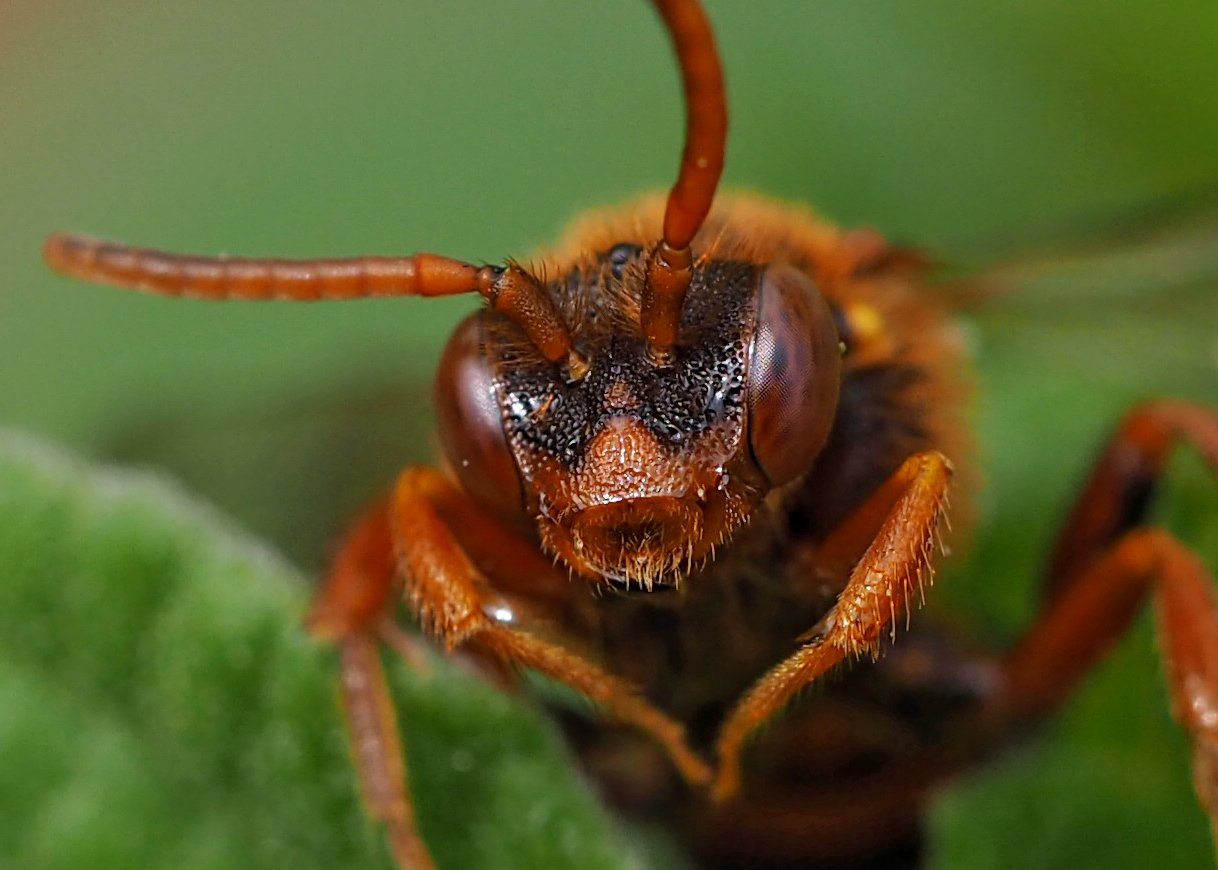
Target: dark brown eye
[[794, 374], [471, 427]]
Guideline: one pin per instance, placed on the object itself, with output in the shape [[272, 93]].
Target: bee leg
[[377, 748], [901, 521], [454, 602], [349, 607], [1105, 565], [1122, 483], [359, 585]]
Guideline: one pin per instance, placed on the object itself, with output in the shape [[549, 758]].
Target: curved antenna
[[669, 269], [220, 278], [509, 289]]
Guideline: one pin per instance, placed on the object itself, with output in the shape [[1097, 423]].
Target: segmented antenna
[[509, 289], [669, 270]]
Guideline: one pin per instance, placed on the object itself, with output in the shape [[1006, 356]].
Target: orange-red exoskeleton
[[694, 460]]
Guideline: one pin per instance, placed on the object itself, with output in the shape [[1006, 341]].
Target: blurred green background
[[478, 129]]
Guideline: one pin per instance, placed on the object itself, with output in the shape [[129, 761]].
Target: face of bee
[[635, 472]]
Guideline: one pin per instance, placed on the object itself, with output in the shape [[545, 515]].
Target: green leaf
[[163, 707]]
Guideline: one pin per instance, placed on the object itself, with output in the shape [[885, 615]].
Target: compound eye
[[471, 427], [794, 374]]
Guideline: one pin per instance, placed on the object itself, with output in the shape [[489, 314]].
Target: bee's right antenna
[[670, 268]]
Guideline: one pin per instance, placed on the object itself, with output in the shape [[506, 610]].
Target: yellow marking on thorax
[[870, 338]]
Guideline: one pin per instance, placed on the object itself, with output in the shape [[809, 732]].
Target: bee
[[779, 466]]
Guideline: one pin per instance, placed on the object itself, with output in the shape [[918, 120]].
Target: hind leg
[[1104, 567]]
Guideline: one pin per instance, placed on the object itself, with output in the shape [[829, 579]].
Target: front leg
[[453, 602], [901, 522], [411, 537]]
